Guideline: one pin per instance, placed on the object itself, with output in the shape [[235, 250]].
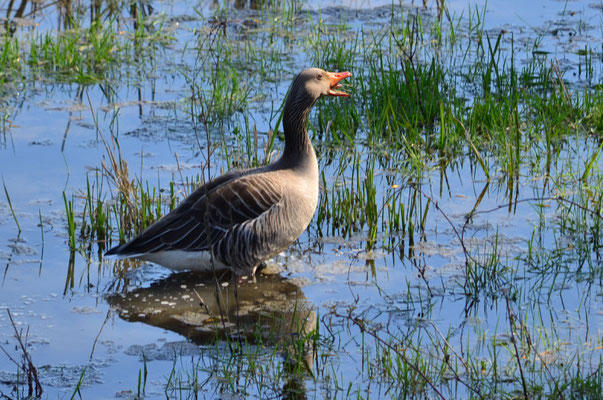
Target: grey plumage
[[243, 218]]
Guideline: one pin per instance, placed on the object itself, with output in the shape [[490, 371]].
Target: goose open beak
[[335, 77]]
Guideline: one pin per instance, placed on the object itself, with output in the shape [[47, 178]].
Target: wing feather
[[208, 214]]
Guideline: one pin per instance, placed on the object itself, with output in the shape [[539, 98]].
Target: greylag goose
[[243, 218]]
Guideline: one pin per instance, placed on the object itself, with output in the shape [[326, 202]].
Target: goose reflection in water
[[266, 309]]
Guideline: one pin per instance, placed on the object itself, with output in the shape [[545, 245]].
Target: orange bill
[[335, 77]]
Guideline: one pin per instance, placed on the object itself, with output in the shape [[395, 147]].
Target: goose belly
[[180, 260], [294, 218]]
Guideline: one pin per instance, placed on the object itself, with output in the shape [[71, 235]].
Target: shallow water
[[70, 310]]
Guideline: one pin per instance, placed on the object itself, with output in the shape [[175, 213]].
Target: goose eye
[[319, 76]]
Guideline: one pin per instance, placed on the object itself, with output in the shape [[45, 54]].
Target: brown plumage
[[242, 218]]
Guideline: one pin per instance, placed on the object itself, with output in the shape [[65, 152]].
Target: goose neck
[[295, 121]]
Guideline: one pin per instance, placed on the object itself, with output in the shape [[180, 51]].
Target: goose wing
[[207, 214]]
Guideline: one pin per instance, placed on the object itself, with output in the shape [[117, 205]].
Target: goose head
[[314, 83], [307, 87]]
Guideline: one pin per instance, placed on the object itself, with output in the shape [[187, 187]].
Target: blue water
[[51, 144]]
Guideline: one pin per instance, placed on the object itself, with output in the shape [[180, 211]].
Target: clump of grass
[[10, 60], [334, 47], [70, 214], [82, 55], [84, 52], [99, 226], [220, 90], [402, 95], [262, 369], [133, 206]]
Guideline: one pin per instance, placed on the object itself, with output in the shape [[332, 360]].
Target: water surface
[[71, 305]]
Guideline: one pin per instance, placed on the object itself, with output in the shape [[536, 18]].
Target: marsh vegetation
[[457, 249]]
